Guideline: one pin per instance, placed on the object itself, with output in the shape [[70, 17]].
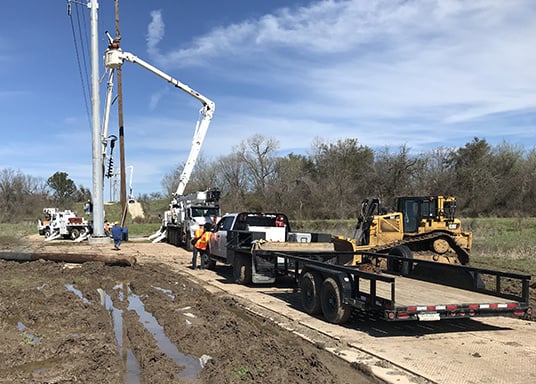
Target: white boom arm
[[114, 58]]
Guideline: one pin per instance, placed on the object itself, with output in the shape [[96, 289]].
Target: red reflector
[[431, 308], [453, 314], [451, 307], [471, 313], [412, 309], [519, 312], [529, 311], [391, 315], [511, 305], [473, 306], [493, 306], [402, 315], [462, 313]]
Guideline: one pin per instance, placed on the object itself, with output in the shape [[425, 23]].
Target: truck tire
[[74, 233], [400, 266], [242, 269], [188, 242], [334, 310], [310, 286], [210, 262]]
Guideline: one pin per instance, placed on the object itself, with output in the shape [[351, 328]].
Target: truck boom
[[114, 58]]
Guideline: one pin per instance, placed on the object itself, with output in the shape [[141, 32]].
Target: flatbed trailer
[[330, 283], [329, 287]]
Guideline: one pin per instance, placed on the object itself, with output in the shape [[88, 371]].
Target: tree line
[[332, 180], [327, 183], [23, 197]]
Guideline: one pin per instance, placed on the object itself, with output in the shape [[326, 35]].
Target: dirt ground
[[148, 323]]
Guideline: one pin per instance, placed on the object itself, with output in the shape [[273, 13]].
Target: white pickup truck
[[236, 233]]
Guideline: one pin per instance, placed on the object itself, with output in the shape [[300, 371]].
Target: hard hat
[[116, 223]]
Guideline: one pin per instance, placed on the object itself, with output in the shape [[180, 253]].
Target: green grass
[[506, 233], [498, 243]]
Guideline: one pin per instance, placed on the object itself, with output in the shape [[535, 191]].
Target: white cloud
[[388, 57], [418, 73], [155, 32]]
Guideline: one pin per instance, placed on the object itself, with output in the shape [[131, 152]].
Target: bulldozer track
[[462, 254]]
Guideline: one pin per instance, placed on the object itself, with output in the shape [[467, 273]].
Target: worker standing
[[202, 245], [197, 235], [117, 235]]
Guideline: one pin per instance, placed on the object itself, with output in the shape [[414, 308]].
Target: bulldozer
[[419, 227]]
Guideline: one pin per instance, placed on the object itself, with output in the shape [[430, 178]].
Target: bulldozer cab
[[425, 211]]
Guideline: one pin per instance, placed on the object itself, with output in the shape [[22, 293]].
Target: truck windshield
[[205, 211], [259, 220]]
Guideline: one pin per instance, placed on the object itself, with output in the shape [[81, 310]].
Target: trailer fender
[[342, 278]]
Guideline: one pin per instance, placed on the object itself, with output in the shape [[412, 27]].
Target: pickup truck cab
[[238, 230], [234, 235]]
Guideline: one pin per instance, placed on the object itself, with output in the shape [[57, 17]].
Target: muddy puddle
[[188, 366]]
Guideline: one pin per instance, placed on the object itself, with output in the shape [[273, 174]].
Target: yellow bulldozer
[[419, 227]]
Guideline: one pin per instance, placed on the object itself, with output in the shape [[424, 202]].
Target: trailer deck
[[446, 291], [410, 291]]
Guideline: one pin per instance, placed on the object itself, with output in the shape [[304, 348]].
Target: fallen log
[[121, 260]]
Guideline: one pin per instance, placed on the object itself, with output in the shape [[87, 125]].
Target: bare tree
[[258, 155], [231, 179], [21, 196]]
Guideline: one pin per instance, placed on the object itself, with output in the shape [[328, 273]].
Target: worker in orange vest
[[197, 235], [202, 245]]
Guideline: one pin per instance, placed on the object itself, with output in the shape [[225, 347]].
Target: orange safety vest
[[198, 232], [202, 243]]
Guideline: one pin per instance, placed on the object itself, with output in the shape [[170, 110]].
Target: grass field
[[498, 243]]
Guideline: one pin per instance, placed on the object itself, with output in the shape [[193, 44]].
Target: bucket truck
[[181, 220]]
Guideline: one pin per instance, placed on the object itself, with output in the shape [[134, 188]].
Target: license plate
[[428, 316]]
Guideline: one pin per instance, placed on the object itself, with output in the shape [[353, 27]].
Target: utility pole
[[123, 197], [98, 171]]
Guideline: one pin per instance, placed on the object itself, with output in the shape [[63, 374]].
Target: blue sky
[[420, 73]]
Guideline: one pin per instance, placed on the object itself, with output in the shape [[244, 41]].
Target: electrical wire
[[84, 82]]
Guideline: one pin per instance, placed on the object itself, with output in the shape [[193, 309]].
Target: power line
[[84, 82]]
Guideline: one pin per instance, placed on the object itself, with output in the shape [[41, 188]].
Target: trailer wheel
[[74, 234], [310, 285], [242, 269], [334, 310], [47, 233], [400, 266]]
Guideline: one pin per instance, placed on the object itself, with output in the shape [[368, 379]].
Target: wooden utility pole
[[123, 191]]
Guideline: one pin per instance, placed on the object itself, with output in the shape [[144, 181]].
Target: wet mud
[[98, 323]]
